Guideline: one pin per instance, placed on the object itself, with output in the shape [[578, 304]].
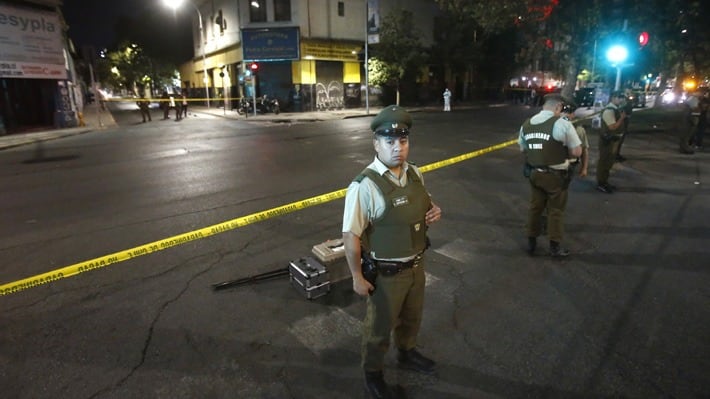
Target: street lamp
[[175, 4], [617, 55]]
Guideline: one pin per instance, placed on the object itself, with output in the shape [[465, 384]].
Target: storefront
[[303, 74], [35, 87]]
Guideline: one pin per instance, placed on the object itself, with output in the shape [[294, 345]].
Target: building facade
[[37, 89], [306, 53]]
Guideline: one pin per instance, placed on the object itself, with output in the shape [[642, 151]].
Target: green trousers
[[686, 132], [607, 155], [548, 190], [396, 305]]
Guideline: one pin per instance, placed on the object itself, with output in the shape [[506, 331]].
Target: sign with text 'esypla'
[[31, 44]]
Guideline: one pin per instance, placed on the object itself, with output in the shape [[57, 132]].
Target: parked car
[[669, 96], [584, 97], [637, 99]]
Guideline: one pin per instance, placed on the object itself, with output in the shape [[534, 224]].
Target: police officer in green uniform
[[387, 211], [612, 130], [548, 142]]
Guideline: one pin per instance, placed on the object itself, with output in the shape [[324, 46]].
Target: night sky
[[93, 22]]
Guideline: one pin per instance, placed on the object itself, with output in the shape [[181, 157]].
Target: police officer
[[691, 118], [144, 107], [387, 211], [568, 113], [548, 142], [612, 130], [628, 107]]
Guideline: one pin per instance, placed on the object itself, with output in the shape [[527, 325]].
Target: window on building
[[221, 22], [341, 8], [282, 10], [257, 10]]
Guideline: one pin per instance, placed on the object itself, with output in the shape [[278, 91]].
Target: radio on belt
[[309, 277]]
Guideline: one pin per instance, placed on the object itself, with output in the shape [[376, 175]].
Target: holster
[[527, 170], [369, 269], [567, 176], [608, 137]]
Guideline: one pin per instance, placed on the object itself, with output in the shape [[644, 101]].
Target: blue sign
[[271, 44]]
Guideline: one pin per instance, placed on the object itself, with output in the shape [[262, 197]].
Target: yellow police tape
[[175, 98], [155, 246]]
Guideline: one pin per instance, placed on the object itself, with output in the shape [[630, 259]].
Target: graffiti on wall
[[329, 97]]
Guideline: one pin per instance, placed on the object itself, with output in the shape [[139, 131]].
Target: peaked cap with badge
[[392, 121]]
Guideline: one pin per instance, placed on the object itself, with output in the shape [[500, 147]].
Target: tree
[[561, 35], [129, 68], [140, 56], [679, 43], [398, 54]]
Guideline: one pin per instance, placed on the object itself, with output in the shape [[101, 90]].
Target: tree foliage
[[142, 56], [399, 53], [130, 68], [562, 36]]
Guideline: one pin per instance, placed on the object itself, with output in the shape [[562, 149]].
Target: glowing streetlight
[[175, 4], [617, 55]]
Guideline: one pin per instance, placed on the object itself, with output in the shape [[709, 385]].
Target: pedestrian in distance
[[177, 105], [385, 220], [611, 130], [144, 107], [447, 100], [548, 142], [165, 105], [691, 119], [183, 98], [702, 121], [628, 107]]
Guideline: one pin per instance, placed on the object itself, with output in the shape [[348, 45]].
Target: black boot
[[376, 385], [413, 360], [556, 251], [532, 244]]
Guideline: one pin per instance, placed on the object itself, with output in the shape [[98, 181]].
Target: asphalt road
[[625, 316]]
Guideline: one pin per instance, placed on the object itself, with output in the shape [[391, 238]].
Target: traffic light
[[254, 67], [643, 39]]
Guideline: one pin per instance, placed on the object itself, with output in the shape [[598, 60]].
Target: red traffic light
[[254, 67], [643, 38]]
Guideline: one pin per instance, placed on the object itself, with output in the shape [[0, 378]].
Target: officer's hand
[[361, 286], [583, 172], [433, 214]]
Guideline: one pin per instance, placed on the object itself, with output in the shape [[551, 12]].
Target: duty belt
[[391, 267], [546, 169]]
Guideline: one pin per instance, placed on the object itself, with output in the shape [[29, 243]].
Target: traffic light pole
[[367, 70], [253, 90]]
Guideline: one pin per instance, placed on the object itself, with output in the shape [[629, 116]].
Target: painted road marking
[[155, 246]]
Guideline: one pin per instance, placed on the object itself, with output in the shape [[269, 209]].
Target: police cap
[[392, 121], [556, 97], [568, 105]]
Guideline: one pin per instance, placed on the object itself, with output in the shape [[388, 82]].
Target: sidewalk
[[286, 117], [95, 120]]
